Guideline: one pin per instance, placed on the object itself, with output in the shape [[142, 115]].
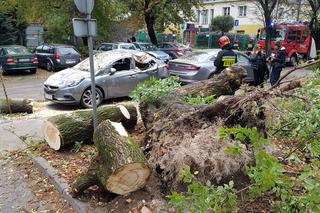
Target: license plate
[[47, 96], [70, 61], [24, 60]]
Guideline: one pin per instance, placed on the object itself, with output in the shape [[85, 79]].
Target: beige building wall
[[247, 12]]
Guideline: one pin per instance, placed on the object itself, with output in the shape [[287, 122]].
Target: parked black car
[[57, 56]]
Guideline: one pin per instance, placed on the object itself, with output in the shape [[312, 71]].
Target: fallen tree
[[63, 130], [16, 106], [120, 166]]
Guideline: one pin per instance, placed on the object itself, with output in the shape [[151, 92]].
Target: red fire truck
[[295, 38]]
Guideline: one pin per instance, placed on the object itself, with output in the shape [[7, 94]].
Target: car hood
[[158, 53], [60, 78]]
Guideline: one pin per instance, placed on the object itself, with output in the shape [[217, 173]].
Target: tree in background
[[56, 16], [12, 24], [314, 23], [222, 24], [160, 13], [267, 7]]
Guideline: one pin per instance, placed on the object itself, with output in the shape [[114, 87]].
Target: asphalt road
[[31, 86], [25, 85]]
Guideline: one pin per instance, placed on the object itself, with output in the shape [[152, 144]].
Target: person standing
[[259, 65], [277, 63], [226, 56]]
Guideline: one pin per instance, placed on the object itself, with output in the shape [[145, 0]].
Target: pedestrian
[[133, 39], [259, 65], [226, 56], [278, 60]]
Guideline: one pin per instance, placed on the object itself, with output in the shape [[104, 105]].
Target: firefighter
[[226, 57], [278, 61]]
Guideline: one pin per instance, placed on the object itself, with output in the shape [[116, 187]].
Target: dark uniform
[[260, 69], [225, 58], [278, 63]]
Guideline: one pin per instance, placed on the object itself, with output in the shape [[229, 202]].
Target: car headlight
[[72, 82]]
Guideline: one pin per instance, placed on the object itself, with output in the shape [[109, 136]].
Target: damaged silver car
[[117, 72]]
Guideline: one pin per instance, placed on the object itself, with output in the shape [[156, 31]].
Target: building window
[[198, 17], [226, 11], [212, 14], [205, 17], [281, 13], [242, 11]]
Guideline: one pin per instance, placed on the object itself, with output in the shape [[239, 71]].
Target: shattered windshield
[[100, 63]]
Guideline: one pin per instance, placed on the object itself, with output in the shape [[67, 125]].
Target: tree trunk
[[17, 106], [66, 129], [149, 19], [120, 166], [225, 83], [268, 34]]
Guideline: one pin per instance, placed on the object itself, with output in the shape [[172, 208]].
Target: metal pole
[[93, 84]]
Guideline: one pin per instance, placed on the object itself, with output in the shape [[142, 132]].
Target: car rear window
[[106, 47], [128, 47], [197, 56], [17, 50], [149, 47], [67, 50]]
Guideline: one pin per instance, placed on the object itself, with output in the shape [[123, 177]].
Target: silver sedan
[[117, 72], [197, 66]]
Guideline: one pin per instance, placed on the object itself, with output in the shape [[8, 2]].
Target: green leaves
[[152, 90], [200, 100], [222, 23]]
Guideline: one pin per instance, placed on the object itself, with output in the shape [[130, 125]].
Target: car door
[[40, 56], [123, 80], [245, 63], [145, 74]]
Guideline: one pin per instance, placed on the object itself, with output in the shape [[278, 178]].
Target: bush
[[152, 90], [222, 23]]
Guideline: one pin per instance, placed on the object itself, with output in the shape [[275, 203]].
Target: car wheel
[[33, 71], [49, 66], [86, 99], [293, 60]]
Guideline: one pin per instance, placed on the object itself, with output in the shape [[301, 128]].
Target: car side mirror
[[112, 71]]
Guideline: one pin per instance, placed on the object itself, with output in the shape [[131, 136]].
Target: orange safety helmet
[[224, 40]]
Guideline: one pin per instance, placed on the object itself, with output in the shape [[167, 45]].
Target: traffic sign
[[236, 24], [84, 28], [84, 6]]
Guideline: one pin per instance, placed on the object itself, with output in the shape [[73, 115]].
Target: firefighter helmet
[[224, 40]]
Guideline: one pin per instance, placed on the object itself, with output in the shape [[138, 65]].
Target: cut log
[[120, 166], [63, 130], [17, 106]]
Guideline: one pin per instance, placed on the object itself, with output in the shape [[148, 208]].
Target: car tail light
[[57, 56], [35, 60], [11, 61], [192, 68]]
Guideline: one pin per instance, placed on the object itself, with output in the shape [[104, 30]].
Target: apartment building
[[247, 12]]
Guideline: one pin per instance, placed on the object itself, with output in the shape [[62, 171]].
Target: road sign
[[236, 24], [84, 28], [84, 6]]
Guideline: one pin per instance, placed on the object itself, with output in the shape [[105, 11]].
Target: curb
[[60, 184]]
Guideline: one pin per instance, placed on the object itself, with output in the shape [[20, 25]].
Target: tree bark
[[225, 83], [120, 166], [66, 129], [149, 19], [17, 106]]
